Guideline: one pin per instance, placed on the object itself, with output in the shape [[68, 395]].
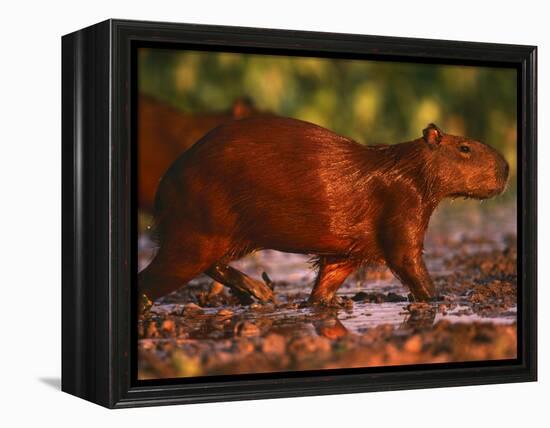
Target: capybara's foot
[[241, 285], [324, 301], [430, 298], [421, 294]]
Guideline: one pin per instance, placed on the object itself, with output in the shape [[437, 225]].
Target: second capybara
[[288, 185], [165, 132]]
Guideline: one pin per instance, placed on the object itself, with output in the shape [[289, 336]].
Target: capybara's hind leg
[[177, 262], [241, 284], [166, 274], [332, 273]]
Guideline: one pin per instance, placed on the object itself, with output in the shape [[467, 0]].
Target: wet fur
[[300, 185], [288, 185]]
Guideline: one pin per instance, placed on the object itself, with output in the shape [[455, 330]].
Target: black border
[[98, 217], [135, 46]]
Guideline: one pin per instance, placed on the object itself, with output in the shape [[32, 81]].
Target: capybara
[[165, 132], [288, 185]]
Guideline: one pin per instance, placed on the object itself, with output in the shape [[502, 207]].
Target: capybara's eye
[[465, 149]]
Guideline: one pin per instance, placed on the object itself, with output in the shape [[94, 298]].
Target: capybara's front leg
[[412, 272], [242, 284], [332, 273]]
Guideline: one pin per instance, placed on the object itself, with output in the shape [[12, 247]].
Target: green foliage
[[369, 101]]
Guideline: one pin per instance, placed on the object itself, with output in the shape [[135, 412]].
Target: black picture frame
[[98, 191]]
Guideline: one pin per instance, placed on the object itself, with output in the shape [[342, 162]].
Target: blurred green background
[[372, 102]]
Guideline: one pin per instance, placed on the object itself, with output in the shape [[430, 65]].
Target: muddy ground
[[471, 252]]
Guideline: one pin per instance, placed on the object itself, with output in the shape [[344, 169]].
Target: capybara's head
[[464, 167]]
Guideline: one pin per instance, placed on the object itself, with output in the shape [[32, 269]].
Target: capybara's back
[[289, 185], [264, 183]]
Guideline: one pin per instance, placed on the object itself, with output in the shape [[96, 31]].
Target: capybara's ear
[[242, 107], [432, 134]]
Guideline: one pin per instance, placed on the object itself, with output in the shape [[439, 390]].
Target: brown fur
[[164, 133], [288, 185]]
